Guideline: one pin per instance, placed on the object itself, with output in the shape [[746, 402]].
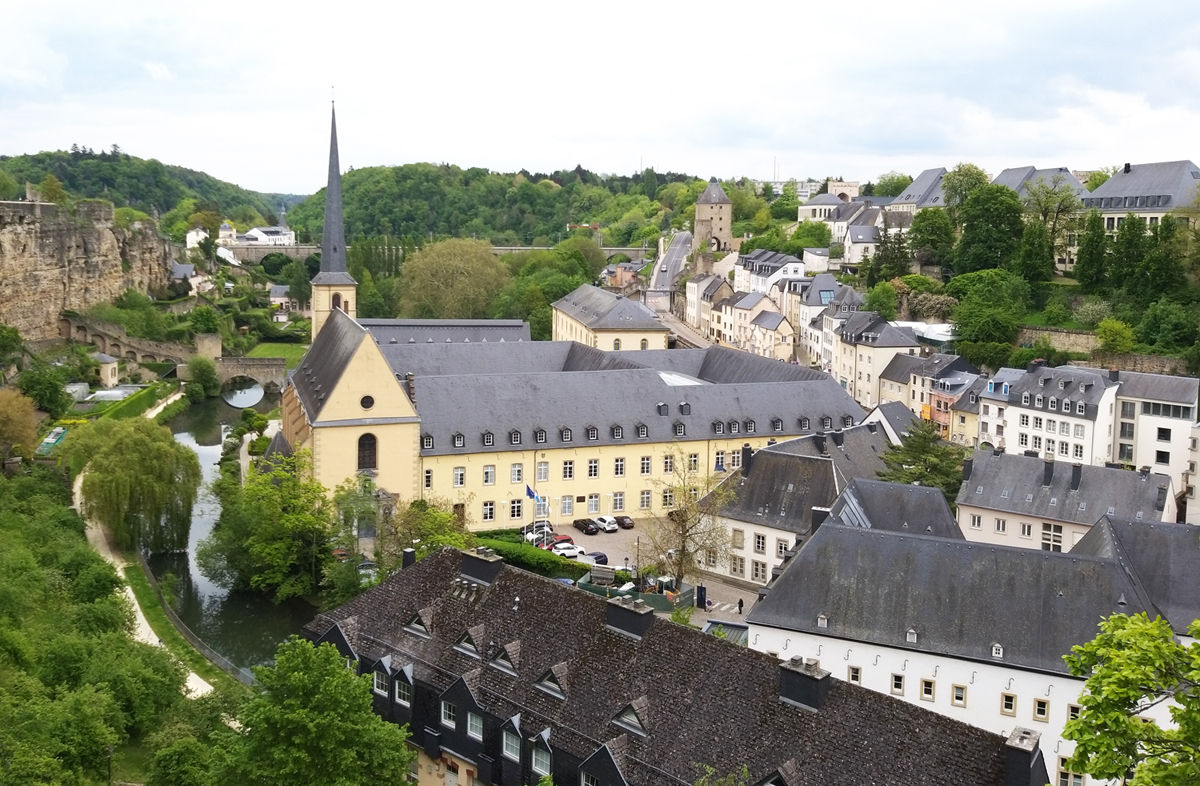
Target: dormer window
[[489, 439], [662, 408], [539, 436], [750, 427], [459, 440], [680, 430], [466, 645], [826, 422], [593, 433], [514, 437], [997, 651], [416, 625], [822, 621], [502, 662], [734, 427], [1066, 405], [718, 427], [628, 719], [618, 432], [642, 431], [565, 435], [1024, 398], [776, 424], [427, 441], [1005, 391], [848, 421], [548, 683], [1053, 404], [1079, 408], [1038, 401], [911, 636], [804, 424], [991, 386], [685, 408]]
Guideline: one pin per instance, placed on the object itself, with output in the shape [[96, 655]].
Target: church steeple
[[333, 287]]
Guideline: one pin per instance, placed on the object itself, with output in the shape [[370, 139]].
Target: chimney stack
[[968, 465], [410, 387], [629, 617], [1023, 764], [409, 558], [816, 519], [481, 565], [1114, 374], [819, 441], [1127, 167], [1048, 472], [838, 437], [747, 459], [1076, 474], [803, 683]]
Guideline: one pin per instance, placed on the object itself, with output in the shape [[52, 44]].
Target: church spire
[[333, 240]]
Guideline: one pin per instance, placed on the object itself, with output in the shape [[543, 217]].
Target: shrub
[[1092, 311]]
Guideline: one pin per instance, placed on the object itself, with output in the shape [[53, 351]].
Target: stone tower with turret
[[714, 220], [333, 287]]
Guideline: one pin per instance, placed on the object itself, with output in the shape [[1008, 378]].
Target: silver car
[[607, 523]]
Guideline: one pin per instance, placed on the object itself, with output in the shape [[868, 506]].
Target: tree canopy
[[957, 185], [453, 279], [992, 229], [931, 237], [892, 184], [924, 459], [18, 424]]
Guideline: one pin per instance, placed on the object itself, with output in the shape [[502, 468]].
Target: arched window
[[645, 344], [367, 451], [616, 344], [337, 300]]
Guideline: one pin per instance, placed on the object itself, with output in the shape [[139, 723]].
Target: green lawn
[[289, 352]]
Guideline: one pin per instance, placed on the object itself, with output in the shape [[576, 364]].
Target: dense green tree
[[44, 384], [10, 343], [882, 299], [424, 525], [299, 281], [1167, 326], [1035, 257], [453, 279], [18, 424], [992, 287], [957, 185], [1055, 204], [892, 256], [892, 184], [1091, 262], [9, 187], [274, 532], [1128, 253], [203, 372], [785, 206], [1114, 335], [51, 190], [1099, 177], [976, 321], [931, 237], [924, 459], [312, 723], [992, 228], [1161, 271], [1133, 665], [205, 320], [139, 482]]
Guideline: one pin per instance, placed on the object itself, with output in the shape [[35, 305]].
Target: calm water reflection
[[244, 627]]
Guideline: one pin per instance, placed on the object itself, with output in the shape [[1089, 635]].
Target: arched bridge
[[268, 372], [112, 339], [634, 252]]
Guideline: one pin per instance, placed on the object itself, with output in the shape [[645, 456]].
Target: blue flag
[[529, 492]]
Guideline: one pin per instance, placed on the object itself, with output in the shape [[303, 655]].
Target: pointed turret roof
[[713, 195], [333, 240]]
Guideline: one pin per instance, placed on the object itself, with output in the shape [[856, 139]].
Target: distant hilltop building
[[714, 219]]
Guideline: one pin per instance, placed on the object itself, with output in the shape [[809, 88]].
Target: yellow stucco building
[[606, 320]]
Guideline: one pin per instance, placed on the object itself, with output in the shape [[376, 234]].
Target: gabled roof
[[181, 271], [1077, 385], [877, 504], [1154, 387], [323, 365], [747, 300], [870, 329], [969, 400], [1020, 178], [959, 597], [863, 234], [901, 368], [925, 190], [1016, 484], [278, 291], [823, 199], [822, 290], [713, 194], [612, 673], [1157, 187], [599, 309], [441, 331], [768, 320]]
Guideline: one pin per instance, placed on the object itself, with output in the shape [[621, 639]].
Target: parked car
[[568, 550], [538, 530], [587, 526], [606, 523], [554, 540], [624, 522], [598, 557]]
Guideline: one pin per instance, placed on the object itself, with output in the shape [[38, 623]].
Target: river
[[244, 627]]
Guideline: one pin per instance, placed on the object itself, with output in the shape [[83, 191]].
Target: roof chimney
[[838, 437], [628, 616], [481, 565], [1127, 167], [1160, 501], [747, 459], [803, 683], [1023, 764], [1076, 474], [968, 464], [410, 387], [409, 558], [819, 441], [1048, 472], [1114, 374]]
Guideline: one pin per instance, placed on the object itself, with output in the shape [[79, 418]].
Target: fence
[[240, 674]]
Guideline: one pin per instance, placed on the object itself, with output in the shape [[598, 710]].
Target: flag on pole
[[529, 493]]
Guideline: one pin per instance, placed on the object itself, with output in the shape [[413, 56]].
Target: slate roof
[[1015, 484], [713, 194], [278, 291], [901, 368], [1003, 375], [1165, 558], [1078, 384], [925, 190], [863, 234], [969, 400], [868, 328], [599, 309], [821, 283], [322, 366], [1154, 387], [877, 504], [824, 199], [1156, 187], [899, 417], [856, 737], [768, 320], [1020, 178], [440, 331], [181, 271], [960, 597]]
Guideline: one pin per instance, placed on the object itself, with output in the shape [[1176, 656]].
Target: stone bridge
[[254, 252], [634, 252], [112, 339], [268, 372]]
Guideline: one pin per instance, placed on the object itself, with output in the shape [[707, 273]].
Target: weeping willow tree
[[138, 482]]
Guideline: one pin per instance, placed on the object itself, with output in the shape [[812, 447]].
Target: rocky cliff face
[[51, 262]]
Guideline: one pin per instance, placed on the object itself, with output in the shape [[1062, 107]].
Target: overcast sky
[[729, 89]]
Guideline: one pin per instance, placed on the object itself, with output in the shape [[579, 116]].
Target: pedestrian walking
[[740, 602]]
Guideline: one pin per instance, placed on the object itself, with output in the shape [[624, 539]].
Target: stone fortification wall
[[1060, 339], [52, 261]]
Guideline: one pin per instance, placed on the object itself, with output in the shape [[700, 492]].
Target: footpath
[[98, 538]]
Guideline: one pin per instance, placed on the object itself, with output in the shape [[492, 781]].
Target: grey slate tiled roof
[[769, 320], [713, 194], [322, 366], [868, 328], [969, 400], [1004, 375], [824, 199], [599, 309], [960, 597], [278, 291], [877, 504], [1157, 187], [901, 368], [732, 695], [1014, 484], [439, 331], [1078, 384], [1154, 387], [925, 190], [1165, 557], [181, 271], [1020, 178], [899, 417], [863, 234], [821, 283]]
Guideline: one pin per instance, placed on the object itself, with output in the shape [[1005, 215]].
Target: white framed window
[[668, 498], [618, 432], [515, 509], [680, 430], [565, 435], [459, 440], [593, 468], [587, 779], [644, 499], [642, 431], [1001, 525], [489, 474], [489, 439], [976, 521], [428, 478], [460, 476], [734, 427], [427, 442], [1026, 529], [854, 674], [516, 473], [618, 501], [758, 570], [380, 683], [514, 437], [718, 427], [474, 726], [737, 565], [693, 462], [489, 511], [543, 471], [668, 463], [619, 467], [781, 548], [958, 695], [735, 459], [593, 503], [540, 763], [898, 684], [449, 714], [760, 543], [646, 461], [720, 462], [927, 690], [750, 427], [568, 469], [567, 505], [1079, 408], [539, 436], [1078, 431], [403, 693], [593, 433], [510, 745]]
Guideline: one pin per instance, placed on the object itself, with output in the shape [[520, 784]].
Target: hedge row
[[139, 402], [533, 559]]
